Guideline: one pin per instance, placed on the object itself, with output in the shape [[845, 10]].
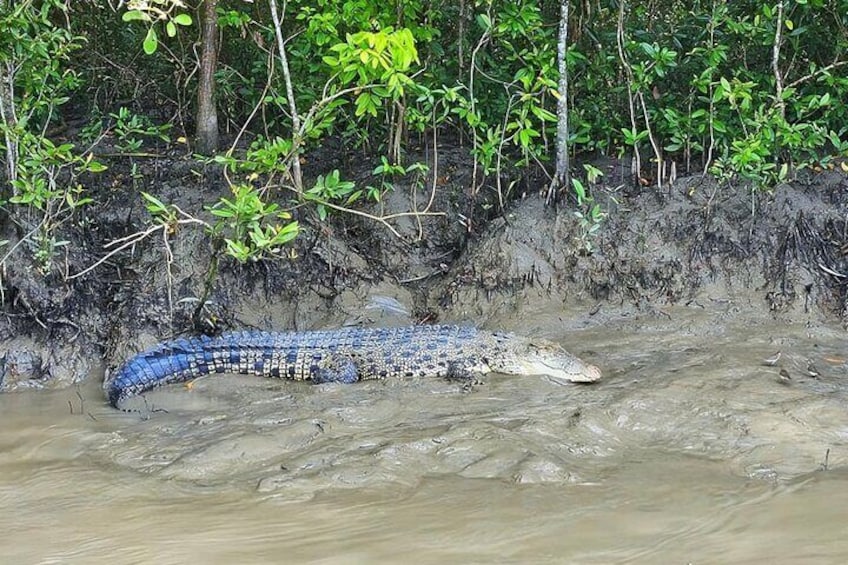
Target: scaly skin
[[347, 355]]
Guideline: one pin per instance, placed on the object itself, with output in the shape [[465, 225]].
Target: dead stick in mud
[[434, 176], [825, 464], [196, 316], [23, 239], [169, 261], [832, 272]]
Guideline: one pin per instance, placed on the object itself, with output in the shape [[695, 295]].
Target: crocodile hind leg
[[467, 378], [336, 369]]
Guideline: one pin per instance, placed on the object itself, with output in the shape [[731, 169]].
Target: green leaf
[[154, 205], [366, 104], [718, 94], [484, 21], [543, 114], [95, 167], [237, 250], [170, 29], [134, 15], [288, 233], [221, 213], [579, 190], [353, 197], [182, 19], [151, 42]]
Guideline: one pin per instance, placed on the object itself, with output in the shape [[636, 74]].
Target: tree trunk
[[7, 113], [561, 176], [207, 116]]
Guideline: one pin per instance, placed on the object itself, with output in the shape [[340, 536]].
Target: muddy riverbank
[[780, 254]]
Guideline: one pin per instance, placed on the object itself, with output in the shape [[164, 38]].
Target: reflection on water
[[690, 450]]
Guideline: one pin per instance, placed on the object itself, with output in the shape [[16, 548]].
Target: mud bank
[[780, 253]]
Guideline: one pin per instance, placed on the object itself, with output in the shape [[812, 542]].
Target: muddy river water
[[691, 450]]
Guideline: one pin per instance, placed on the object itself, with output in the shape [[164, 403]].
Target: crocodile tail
[[171, 362]]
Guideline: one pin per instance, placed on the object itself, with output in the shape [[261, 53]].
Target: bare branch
[[132, 239]]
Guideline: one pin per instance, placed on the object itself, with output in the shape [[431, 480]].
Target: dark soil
[[782, 251]]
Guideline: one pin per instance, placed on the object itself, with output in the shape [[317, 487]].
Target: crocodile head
[[541, 357]]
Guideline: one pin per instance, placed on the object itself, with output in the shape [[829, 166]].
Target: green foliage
[[368, 58], [131, 130], [387, 172], [517, 115], [250, 226], [381, 76], [38, 183], [332, 189], [44, 188], [36, 50], [703, 69], [589, 213], [154, 13], [263, 157], [164, 214]]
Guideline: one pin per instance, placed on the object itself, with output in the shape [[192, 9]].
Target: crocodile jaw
[[547, 358], [573, 370]]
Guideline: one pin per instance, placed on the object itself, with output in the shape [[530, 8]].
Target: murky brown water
[[689, 451]]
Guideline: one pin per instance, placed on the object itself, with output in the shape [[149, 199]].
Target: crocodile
[[347, 355]]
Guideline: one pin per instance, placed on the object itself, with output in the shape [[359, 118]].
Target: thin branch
[[619, 39], [384, 219], [816, 73], [474, 139], [654, 145], [132, 239], [295, 117], [23, 239], [434, 176], [259, 104]]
